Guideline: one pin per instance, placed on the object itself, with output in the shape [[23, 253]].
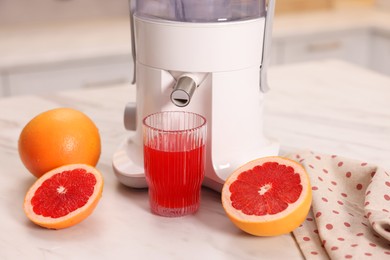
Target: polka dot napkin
[[350, 213]]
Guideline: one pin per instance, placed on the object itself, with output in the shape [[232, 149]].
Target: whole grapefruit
[[58, 137]]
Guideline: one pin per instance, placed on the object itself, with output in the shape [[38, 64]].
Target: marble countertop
[[329, 106], [26, 46]]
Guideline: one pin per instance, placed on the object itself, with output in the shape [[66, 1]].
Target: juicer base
[[128, 165]]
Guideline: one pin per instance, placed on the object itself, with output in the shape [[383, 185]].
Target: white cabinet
[[42, 79], [276, 53], [380, 60], [2, 86], [351, 45]]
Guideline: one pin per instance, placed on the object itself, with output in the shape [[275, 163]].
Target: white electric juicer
[[205, 56]]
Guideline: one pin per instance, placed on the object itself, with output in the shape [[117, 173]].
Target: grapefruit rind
[[74, 217], [270, 225]]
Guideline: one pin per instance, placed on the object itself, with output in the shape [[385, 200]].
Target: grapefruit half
[[268, 196], [64, 196]]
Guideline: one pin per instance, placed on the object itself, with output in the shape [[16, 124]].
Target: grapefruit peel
[[280, 223]]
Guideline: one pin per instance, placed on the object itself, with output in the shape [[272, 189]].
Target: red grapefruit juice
[[174, 179]]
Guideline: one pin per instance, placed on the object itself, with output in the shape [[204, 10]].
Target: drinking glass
[[174, 159]]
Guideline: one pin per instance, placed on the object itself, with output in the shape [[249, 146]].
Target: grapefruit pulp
[[268, 196], [64, 196]]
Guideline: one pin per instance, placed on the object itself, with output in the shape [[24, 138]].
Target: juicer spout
[[183, 90]]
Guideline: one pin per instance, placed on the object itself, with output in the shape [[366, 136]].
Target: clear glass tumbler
[[174, 160]]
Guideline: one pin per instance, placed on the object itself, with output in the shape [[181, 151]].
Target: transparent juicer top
[[201, 11]]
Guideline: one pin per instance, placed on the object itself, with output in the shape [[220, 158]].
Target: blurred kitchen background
[[55, 45]]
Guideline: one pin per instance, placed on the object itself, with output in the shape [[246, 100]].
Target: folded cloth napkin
[[350, 213]]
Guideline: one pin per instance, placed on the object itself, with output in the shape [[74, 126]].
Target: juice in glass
[[174, 166]]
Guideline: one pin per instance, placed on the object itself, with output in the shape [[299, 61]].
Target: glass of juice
[[174, 159]]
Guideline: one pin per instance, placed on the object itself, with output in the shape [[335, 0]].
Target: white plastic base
[[128, 165]]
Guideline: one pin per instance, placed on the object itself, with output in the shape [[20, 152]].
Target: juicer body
[[226, 61]]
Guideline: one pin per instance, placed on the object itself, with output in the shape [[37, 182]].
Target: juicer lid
[[200, 10]]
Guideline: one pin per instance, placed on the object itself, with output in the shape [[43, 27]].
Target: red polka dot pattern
[[350, 214], [329, 226]]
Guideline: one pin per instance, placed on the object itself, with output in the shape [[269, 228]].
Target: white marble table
[[330, 107]]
